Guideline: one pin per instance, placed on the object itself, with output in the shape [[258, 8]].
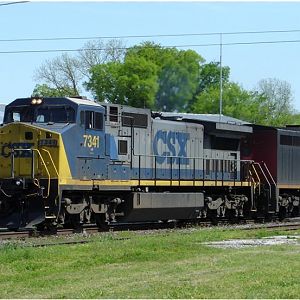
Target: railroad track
[[91, 229], [87, 230], [282, 227], [23, 234]]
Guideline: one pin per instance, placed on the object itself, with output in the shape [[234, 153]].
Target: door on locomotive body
[[91, 159], [118, 143], [136, 132], [120, 167]]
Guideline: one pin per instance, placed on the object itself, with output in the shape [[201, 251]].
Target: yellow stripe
[[288, 186], [64, 167], [152, 183]]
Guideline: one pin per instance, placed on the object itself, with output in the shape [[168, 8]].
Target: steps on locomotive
[[266, 187]]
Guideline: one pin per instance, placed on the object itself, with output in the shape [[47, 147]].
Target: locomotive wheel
[[75, 221], [41, 227], [101, 221], [295, 212], [282, 213]]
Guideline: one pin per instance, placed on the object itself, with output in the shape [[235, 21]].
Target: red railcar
[[276, 153]]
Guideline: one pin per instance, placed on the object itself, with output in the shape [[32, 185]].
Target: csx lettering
[[173, 141], [7, 149], [91, 141]]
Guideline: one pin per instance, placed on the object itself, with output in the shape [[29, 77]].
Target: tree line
[[162, 79]]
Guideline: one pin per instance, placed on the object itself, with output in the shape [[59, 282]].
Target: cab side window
[[91, 120], [16, 117]]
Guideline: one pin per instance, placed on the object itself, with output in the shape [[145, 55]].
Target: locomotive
[[72, 161]]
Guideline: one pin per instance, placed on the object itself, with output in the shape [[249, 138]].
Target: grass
[[171, 264]]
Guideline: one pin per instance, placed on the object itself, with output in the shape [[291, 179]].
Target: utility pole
[[221, 81]]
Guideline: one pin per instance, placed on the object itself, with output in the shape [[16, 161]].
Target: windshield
[[40, 114]]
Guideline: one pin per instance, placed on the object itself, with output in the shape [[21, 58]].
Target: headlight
[[35, 101]]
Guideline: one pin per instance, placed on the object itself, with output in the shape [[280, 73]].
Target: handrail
[[193, 157], [49, 154], [258, 179], [13, 159], [262, 171], [48, 173], [270, 175], [253, 207], [255, 171], [192, 167], [32, 174]]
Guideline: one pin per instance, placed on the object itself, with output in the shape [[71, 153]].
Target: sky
[[248, 63]]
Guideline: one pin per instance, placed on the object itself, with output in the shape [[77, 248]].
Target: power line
[[173, 46], [147, 36], [11, 3]]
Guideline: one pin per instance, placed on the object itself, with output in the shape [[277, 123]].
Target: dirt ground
[[266, 241]]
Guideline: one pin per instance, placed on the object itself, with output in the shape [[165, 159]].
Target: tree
[[139, 78], [151, 76], [295, 119], [97, 52], [177, 74], [210, 75], [61, 73], [131, 83], [237, 102], [67, 72], [270, 104], [104, 83], [178, 80], [209, 78], [276, 99], [43, 90]]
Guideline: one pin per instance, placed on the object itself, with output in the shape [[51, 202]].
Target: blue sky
[[248, 63]]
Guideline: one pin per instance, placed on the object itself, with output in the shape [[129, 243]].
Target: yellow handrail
[[49, 154], [48, 173]]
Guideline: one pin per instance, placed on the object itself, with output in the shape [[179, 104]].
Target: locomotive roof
[[83, 101], [213, 123], [76, 101], [206, 117]]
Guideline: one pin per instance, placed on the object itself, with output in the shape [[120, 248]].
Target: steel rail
[[226, 224]]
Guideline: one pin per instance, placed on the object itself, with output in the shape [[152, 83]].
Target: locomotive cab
[[39, 142]]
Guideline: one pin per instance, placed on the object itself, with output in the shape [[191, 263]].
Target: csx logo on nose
[[6, 149], [176, 145]]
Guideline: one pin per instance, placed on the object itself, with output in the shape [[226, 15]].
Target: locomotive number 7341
[[91, 141]]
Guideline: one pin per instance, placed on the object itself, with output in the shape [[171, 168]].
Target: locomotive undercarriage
[[289, 203], [150, 205], [23, 204], [103, 207], [226, 205], [78, 208]]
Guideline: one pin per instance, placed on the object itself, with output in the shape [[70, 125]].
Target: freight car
[[72, 161], [279, 149]]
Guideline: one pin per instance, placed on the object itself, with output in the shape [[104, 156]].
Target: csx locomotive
[[72, 161]]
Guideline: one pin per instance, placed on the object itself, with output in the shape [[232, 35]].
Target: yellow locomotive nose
[[16, 142], [29, 158], [27, 151]]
